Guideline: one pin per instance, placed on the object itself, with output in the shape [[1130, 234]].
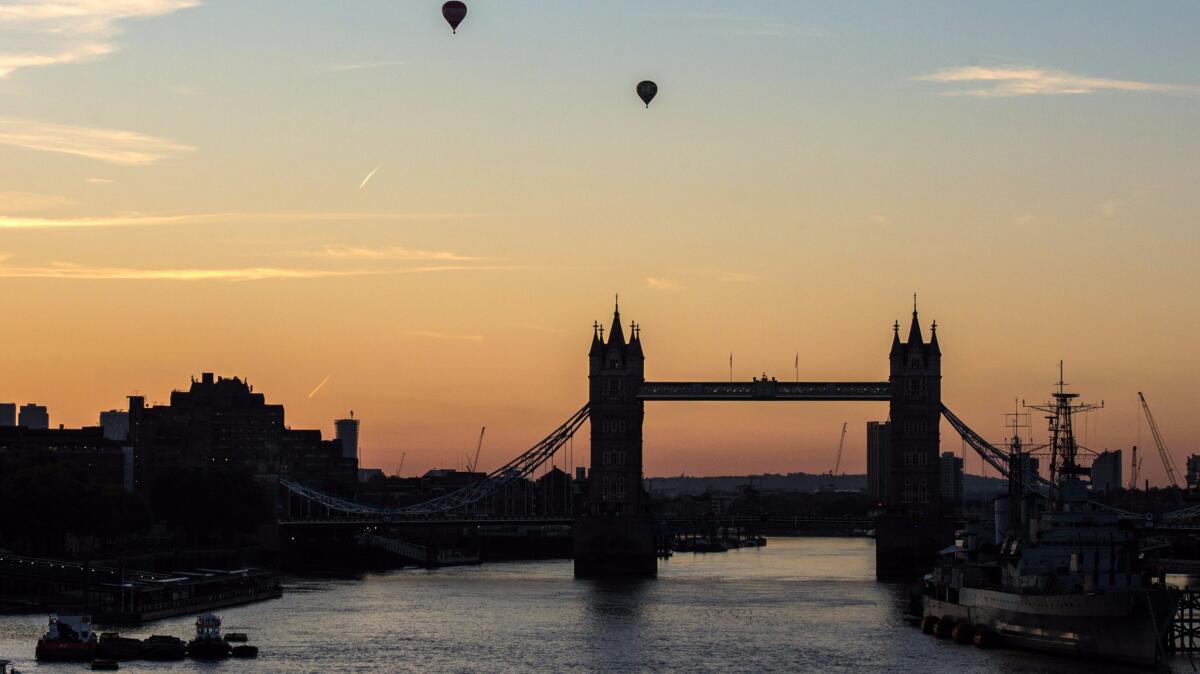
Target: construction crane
[[401, 466], [1168, 463], [473, 463], [1135, 467], [837, 464]]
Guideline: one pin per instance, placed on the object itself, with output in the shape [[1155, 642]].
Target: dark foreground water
[[800, 604]]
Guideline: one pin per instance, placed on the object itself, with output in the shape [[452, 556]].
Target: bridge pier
[[615, 546]]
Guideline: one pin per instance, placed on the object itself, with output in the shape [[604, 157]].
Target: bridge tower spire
[[615, 536]]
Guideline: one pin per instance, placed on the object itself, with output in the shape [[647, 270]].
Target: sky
[[301, 191]]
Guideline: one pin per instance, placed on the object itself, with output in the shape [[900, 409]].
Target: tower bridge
[[614, 535]]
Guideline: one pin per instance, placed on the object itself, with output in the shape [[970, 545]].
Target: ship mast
[[1064, 450]]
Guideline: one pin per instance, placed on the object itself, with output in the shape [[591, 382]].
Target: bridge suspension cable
[[513, 471]]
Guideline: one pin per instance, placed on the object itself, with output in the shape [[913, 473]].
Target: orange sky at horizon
[[171, 206]]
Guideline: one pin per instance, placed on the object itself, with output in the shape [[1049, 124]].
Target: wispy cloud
[[368, 65], [64, 270], [107, 145], [385, 253], [737, 277], [658, 283], [72, 271], [430, 334], [99, 181], [1110, 207], [16, 202], [741, 26], [154, 220], [542, 328], [998, 82], [70, 31]]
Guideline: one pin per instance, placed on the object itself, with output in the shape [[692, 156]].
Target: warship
[[1056, 573]]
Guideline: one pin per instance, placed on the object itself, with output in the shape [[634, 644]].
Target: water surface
[[799, 604]]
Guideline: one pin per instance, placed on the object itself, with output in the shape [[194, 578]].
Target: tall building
[[878, 434], [1106, 471], [8, 414], [34, 416], [346, 432], [115, 424], [951, 478], [222, 422]]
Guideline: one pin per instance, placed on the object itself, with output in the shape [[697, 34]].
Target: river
[[799, 604]]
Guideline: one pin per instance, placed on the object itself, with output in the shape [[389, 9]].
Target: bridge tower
[[615, 536], [915, 524]]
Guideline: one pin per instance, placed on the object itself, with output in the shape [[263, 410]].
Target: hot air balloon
[[454, 12], [646, 91]]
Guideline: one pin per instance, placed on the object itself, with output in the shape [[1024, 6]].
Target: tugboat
[[208, 644], [163, 648], [68, 638], [1059, 575]]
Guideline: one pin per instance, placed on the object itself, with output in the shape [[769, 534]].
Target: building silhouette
[[8, 414], [115, 424], [105, 461], [1106, 471], [346, 432], [222, 422], [951, 479], [34, 416]]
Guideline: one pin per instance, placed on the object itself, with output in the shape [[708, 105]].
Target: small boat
[[245, 651], [208, 644], [163, 648], [105, 665], [68, 638], [239, 637], [113, 646]]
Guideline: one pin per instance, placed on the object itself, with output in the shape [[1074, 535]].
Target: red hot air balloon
[[646, 91], [454, 12]]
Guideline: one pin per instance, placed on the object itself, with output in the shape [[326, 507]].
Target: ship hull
[[1125, 626]]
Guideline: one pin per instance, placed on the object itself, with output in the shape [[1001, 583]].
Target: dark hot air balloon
[[646, 91], [454, 12]]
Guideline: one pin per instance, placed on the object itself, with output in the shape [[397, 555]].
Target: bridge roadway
[[765, 389]]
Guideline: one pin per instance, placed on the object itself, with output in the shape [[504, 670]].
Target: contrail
[[368, 178], [318, 388]]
